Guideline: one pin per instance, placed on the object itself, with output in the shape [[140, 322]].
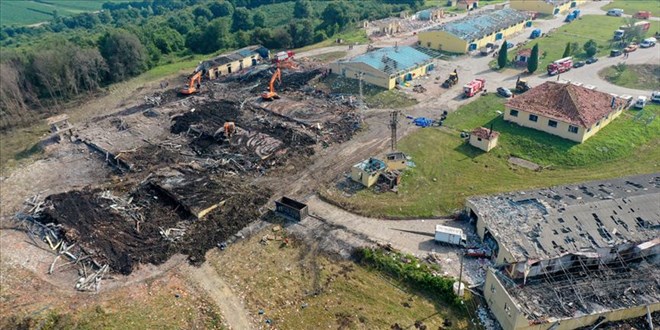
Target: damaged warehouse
[[572, 256]]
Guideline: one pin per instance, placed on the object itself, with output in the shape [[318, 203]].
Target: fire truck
[[473, 87], [560, 66]]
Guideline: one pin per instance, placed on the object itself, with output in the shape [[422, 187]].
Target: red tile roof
[[527, 52], [485, 133], [569, 103]]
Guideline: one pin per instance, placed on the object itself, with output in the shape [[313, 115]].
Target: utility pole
[[394, 121], [359, 76], [460, 276]]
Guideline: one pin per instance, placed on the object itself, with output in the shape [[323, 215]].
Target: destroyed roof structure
[[546, 223], [234, 56], [576, 105], [485, 133], [392, 60], [579, 295], [474, 27]]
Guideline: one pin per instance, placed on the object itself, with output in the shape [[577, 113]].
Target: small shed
[[467, 4], [484, 138], [522, 56], [368, 171], [291, 208], [396, 161]]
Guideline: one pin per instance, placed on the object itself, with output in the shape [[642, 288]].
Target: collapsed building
[[574, 255]]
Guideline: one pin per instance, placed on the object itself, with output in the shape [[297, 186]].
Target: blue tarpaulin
[[423, 122]]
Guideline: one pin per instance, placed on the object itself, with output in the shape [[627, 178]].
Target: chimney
[[490, 131]]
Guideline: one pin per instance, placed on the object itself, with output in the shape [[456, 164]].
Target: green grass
[[630, 7], [374, 97], [350, 37], [643, 76], [31, 12], [329, 57], [599, 28], [448, 170]]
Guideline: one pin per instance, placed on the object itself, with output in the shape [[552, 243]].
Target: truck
[[620, 33], [643, 14], [451, 235], [283, 56], [572, 16], [473, 87], [560, 66]]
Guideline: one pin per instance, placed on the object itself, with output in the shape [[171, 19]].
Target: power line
[[394, 122]]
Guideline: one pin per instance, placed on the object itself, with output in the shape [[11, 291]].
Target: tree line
[[44, 66]]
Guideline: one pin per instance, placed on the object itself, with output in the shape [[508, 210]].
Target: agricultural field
[[630, 7], [32, 12], [296, 286], [448, 169], [598, 28], [644, 76]]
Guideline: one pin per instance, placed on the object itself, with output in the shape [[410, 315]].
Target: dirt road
[[229, 303]]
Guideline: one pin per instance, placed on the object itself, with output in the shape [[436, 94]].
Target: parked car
[[509, 44], [642, 15], [615, 52], [641, 102], [535, 34], [631, 48], [504, 91], [591, 60], [578, 64], [648, 42], [615, 12]]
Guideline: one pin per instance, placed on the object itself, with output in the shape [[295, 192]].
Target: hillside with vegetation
[[45, 66]]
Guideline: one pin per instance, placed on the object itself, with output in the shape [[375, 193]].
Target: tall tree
[[242, 20], [303, 9], [502, 57], [533, 61], [125, 55], [567, 50], [591, 48], [221, 8], [259, 19]]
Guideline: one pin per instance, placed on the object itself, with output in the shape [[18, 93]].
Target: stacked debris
[[176, 212]]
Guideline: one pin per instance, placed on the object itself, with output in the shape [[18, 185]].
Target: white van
[[615, 12], [648, 42], [641, 102], [655, 96]]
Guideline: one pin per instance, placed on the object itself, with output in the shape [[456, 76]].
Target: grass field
[[31, 12], [630, 7], [643, 76], [599, 28], [350, 37], [448, 170], [296, 287]]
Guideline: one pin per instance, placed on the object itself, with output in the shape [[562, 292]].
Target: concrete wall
[[483, 144], [444, 41], [373, 76], [539, 6], [503, 255], [562, 128], [511, 317], [236, 66]]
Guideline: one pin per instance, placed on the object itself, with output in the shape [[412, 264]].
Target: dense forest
[[43, 67]]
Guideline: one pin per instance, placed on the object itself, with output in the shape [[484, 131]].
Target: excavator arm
[[194, 83], [270, 95]]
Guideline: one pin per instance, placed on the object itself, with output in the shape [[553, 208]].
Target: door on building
[[229, 68], [472, 47], [573, 4], [408, 76], [254, 61], [556, 11], [498, 36], [240, 65]]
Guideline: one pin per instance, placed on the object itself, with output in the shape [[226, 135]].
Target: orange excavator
[[270, 94], [230, 127], [194, 84]]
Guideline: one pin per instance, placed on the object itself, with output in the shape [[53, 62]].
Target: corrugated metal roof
[[475, 27], [393, 59]]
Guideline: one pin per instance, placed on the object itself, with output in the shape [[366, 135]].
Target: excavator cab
[[230, 128], [452, 80]]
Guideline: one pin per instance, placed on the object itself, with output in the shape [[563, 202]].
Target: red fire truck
[[560, 66], [473, 87]]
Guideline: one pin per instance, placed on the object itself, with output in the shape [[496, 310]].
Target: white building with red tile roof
[[570, 111]]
